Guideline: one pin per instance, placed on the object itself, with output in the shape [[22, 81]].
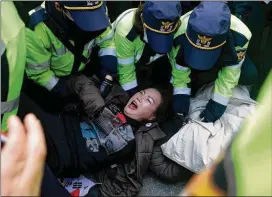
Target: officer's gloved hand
[[60, 88], [180, 119], [106, 86], [181, 104], [132, 91], [213, 111]]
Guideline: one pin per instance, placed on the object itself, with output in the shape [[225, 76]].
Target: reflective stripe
[[116, 22], [107, 51], [36, 9], [51, 83], [220, 99], [9, 106], [239, 65], [110, 36], [179, 67], [171, 80], [89, 45], [38, 66], [125, 60], [61, 51], [130, 85], [138, 56], [2, 47], [186, 91]]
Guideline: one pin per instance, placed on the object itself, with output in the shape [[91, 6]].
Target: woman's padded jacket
[[126, 179]]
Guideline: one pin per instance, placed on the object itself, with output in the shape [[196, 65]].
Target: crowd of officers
[[156, 44]]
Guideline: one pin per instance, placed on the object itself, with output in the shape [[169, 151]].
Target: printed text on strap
[[9, 106]]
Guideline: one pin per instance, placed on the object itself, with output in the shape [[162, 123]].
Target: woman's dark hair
[[163, 110]]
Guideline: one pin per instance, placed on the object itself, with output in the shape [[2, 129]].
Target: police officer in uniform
[[63, 39], [213, 46], [143, 38]]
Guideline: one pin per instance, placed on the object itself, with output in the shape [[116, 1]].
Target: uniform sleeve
[[126, 63], [38, 58], [180, 76], [107, 51], [228, 78]]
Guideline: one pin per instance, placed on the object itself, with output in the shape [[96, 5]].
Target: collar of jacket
[[117, 91], [153, 130]]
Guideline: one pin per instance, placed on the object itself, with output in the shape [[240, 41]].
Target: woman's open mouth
[[133, 105]]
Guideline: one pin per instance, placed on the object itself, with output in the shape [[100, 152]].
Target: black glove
[[60, 88], [213, 111], [180, 119], [132, 91], [181, 103]]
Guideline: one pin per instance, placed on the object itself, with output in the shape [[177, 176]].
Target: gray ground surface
[[154, 187]]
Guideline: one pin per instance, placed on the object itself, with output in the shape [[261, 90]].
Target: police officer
[[62, 38], [212, 44], [245, 168], [13, 52], [142, 36]]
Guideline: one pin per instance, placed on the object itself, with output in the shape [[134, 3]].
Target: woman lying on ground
[[104, 132], [111, 130]]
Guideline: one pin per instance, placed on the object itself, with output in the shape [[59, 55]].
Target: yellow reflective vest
[[48, 58], [228, 76], [13, 57]]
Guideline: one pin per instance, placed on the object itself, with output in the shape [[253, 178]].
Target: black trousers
[[59, 155], [67, 154], [51, 186]]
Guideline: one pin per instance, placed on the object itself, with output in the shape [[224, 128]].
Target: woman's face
[[143, 105]]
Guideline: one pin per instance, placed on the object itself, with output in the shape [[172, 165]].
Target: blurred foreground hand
[[23, 157]]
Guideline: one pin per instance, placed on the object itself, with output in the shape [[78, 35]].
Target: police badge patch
[[167, 26]]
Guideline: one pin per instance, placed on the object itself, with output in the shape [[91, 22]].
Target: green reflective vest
[[48, 58], [228, 76], [248, 162], [13, 50], [130, 48]]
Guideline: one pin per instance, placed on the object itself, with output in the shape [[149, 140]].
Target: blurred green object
[[257, 15]]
